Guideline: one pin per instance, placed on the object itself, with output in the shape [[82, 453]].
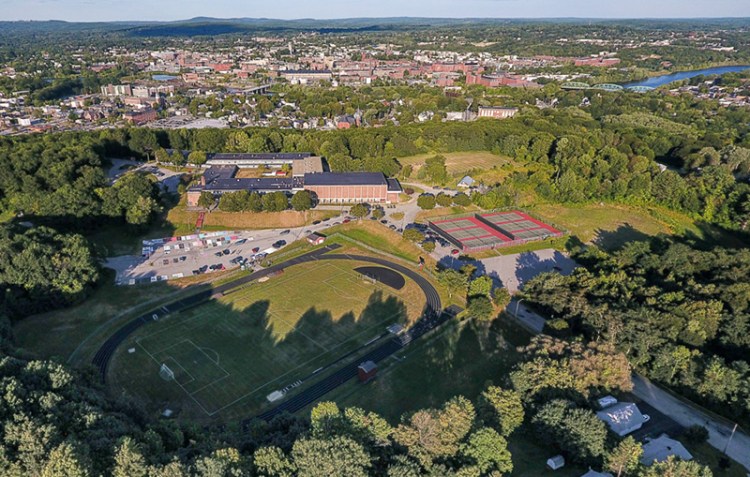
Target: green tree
[[65, 462], [480, 286], [129, 461], [480, 308], [271, 462], [428, 246], [359, 210], [378, 213], [501, 297], [488, 450], [332, 457], [206, 200], [275, 201], [162, 156], [673, 467], [197, 158], [578, 432], [453, 280], [413, 235], [443, 200], [462, 199], [302, 200], [426, 201], [501, 408], [624, 459]]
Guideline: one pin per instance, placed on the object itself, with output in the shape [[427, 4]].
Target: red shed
[[367, 371]]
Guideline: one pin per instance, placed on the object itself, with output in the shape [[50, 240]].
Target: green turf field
[[229, 354]]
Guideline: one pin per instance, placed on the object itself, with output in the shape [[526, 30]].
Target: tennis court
[[489, 230]]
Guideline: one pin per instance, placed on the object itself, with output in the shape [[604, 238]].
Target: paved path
[[687, 415]]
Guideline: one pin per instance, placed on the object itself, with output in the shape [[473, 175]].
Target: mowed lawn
[[230, 353]]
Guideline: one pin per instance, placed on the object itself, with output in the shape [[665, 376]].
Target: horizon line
[[723, 17]]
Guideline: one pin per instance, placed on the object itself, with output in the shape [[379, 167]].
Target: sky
[[111, 10]]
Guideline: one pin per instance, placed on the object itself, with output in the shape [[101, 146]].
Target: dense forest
[[681, 315], [56, 422]]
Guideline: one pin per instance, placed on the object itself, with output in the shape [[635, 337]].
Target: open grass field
[[459, 162], [60, 332], [461, 360], [612, 225], [229, 354]]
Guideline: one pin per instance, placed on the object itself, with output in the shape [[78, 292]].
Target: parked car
[[183, 258], [165, 261], [218, 254], [455, 251], [284, 232], [203, 268], [279, 243], [316, 222], [256, 249], [346, 221], [226, 251], [383, 221], [392, 227]]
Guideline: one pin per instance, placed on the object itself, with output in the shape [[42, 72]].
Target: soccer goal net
[[165, 373]]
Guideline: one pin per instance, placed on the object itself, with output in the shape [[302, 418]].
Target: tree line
[[680, 314], [57, 422]]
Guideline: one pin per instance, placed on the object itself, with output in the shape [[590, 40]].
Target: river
[[657, 81]]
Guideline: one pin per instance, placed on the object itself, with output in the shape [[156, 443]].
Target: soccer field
[[229, 354]]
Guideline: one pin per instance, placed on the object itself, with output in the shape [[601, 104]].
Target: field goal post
[[166, 373]]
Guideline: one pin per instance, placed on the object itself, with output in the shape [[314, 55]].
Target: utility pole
[[734, 429]]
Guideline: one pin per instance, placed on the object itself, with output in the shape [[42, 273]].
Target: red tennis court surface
[[492, 230]]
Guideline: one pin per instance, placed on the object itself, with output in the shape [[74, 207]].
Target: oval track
[[106, 351], [431, 318]]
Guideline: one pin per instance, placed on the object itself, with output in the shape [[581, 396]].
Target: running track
[[432, 317]]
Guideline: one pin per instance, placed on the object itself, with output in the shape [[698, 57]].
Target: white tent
[[556, 462]]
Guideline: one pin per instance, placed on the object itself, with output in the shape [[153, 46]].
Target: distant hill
[[204, 26]]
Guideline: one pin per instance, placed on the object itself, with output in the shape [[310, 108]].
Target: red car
[[256, 250], [455, 251]]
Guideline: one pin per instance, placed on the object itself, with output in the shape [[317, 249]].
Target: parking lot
[[214, 252]]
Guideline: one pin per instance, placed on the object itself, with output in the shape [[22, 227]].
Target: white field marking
[[192, 378], [206, 350], [180, 385]]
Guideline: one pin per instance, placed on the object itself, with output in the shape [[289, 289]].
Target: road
[[676, 409], [686, 415]]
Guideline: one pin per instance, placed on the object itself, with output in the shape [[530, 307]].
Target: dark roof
[[219, 172], [393, 185], [345, 178], [304, 72], [284, 156], [259, 184], [261, 156]]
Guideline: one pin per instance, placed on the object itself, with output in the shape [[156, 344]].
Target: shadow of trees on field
[[379, 309], [615, 239]]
